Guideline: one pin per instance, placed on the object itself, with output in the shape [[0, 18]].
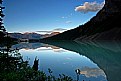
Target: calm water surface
[[95, 60]]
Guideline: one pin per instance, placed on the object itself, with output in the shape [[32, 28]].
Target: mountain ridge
[[100, 27], [31, 35], [24, 35]]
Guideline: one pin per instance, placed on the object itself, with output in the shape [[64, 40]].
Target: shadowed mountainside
[[104, 26], [106, 54]]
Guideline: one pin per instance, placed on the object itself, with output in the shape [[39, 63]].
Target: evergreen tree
[[2, 28]]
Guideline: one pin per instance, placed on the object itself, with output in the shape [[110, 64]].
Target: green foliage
[[14, 68]]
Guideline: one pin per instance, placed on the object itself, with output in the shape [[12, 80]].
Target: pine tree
[[2, 28]]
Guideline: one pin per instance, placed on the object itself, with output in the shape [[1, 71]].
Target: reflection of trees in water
[[14, 68], [106, 54]]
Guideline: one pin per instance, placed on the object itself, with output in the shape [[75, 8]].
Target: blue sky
[[46, 15]]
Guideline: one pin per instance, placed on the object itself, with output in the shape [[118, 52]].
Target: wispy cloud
[[67, 16], [59, 29], [44, 31], [54, 30], [89, 7], [68, 22], [63, 17]]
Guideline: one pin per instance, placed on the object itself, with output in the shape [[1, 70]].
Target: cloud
[[68, 22], [67, 16], [54, 30], [59, 29], [64, 17], [44, 31], [89, 7]]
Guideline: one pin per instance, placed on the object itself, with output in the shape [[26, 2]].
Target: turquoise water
[[98, 61]]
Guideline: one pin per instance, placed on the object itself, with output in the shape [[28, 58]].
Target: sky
[[48, 15]]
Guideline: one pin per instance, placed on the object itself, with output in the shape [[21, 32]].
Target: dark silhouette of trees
[[2, 28], [35, 65]]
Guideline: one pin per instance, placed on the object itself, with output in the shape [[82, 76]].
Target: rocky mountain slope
[[105, 25]]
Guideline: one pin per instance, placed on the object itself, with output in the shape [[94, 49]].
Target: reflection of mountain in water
[[27, 45], [107, 55], [38, 46]]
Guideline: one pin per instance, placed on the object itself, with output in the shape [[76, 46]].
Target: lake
[[97, 61]]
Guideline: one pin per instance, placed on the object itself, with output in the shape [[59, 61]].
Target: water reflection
[[96, 60], [92, 72], [106, 54]]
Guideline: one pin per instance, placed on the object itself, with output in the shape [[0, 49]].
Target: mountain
[[32, 35], [50, 35], [104, 26], [25, 35]]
